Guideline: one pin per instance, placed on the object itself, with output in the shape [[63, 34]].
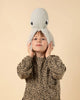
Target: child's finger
[[29, 44], [51, 43], [50, 47]]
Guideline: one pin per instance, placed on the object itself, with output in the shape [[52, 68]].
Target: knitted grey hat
[[39, 21]]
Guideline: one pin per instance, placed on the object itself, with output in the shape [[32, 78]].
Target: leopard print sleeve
[[24, 68], [56, 66]]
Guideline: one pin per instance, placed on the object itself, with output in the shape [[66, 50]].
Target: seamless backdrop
[[64, 24]]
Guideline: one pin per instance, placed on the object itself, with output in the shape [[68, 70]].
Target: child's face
[[39, 42]]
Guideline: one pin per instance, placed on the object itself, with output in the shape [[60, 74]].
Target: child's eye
[[43, 38], [35, 39]]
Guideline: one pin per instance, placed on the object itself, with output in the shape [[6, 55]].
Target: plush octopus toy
[[39, 21]]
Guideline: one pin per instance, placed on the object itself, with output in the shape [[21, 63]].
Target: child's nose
[[39, 40]]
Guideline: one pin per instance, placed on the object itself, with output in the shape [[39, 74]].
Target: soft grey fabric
[[39, 21]]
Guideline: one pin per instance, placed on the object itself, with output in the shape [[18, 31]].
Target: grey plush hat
[[39, 21]]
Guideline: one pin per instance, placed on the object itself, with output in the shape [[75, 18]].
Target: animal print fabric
[[42, 77]]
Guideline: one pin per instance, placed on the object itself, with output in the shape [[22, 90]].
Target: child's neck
[[40, 54]]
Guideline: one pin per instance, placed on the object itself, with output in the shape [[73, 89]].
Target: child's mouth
[[38, 45]]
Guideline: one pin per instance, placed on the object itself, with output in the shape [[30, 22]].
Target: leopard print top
[[42, 77]]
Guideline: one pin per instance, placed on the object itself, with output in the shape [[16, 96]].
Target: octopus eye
[[31, 23], [46, 22]]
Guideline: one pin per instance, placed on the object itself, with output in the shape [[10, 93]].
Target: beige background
[[64, 23]]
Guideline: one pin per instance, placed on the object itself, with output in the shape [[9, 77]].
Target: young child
[[41, 70]]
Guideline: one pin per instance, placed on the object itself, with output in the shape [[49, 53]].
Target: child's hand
[[31, 53], [49, 49]]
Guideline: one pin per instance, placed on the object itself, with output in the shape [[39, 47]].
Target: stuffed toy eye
[[31, 23], [46, 22]]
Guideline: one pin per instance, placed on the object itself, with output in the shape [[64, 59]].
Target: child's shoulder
[[54, 56], [26, 58]]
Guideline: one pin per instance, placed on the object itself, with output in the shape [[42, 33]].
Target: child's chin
[[38, 50]]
